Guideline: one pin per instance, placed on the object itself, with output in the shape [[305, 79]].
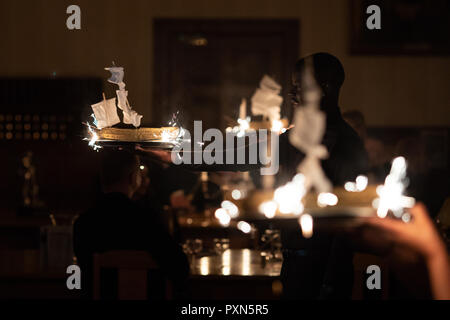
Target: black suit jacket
[[321, 267]]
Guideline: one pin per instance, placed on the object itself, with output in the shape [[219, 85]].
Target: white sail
[[122, 100], [129, 115], [117, 74], [132, 117], [106, 113]]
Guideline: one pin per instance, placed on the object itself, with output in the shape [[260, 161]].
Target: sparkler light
[[358, 186], [289, 197], [390, 194], [231, 208], [222, 215], [244, 125], [327, 199], [236, 194], [94, 136], [177, 136], [277, 126], [268, 208]]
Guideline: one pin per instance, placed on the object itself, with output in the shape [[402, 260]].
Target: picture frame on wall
[[407, 27]]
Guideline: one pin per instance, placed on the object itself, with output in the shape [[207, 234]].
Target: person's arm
[[421, 235], [244, 147]]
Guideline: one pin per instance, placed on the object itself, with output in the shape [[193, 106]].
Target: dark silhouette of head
[[356, 120], [119, 172], [329, 75]]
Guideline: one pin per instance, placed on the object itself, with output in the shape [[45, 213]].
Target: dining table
[[235, 274]]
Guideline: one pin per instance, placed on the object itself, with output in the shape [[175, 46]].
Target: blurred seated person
[[379, 159], [116, 223], [149, 201]]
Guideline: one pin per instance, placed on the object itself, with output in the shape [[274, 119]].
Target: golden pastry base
[[137, 135]]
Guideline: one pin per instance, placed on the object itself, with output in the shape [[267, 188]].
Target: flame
[[358, 186], [222, 215], [176, 136], [231, 208], [94, 136], [327, 199], [390, 194], [289, 197], [166, 136], [268, 208], [236, 194], [245, 227], [277, 126], [306, 223], [244, 125]]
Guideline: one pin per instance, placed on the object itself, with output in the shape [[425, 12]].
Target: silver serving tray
[[144, 144]]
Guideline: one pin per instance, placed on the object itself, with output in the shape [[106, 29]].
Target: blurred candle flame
[[245, 227], [306, 223], [222, 215], [231, 208], [268, 208], [327, 199], [289, 197], [358, 186]]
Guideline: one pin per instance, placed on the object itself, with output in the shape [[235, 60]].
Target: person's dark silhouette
[[321, 267], [116, 223]]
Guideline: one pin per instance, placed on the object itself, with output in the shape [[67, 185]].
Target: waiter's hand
[[419, 233], [162, 155]]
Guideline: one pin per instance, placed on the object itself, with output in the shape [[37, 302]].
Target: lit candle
[[243, 110]]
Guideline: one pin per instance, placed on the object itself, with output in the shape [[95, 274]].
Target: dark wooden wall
[[45, 116]]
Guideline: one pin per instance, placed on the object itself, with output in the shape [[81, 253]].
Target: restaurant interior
[[197, 60]]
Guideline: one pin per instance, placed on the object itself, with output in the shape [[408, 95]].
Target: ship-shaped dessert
[[106, 116]]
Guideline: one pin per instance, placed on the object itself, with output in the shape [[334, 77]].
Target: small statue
[[30, 188]]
